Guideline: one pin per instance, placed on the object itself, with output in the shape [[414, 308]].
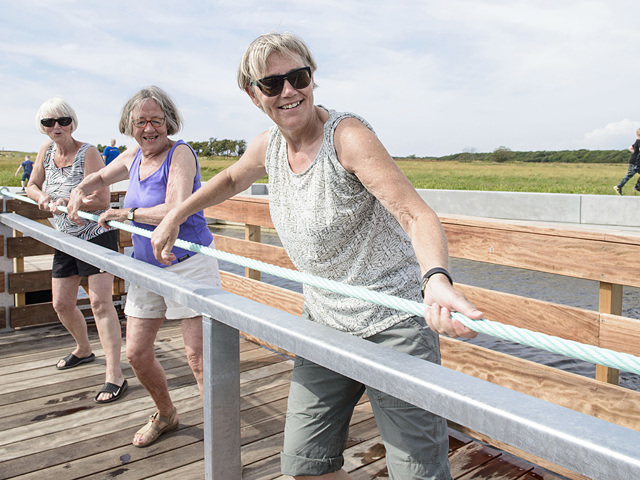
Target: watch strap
[[432, 272]]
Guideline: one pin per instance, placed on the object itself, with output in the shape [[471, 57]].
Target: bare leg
[[106, 317], [64, 292], [141, 335], [192, 335]]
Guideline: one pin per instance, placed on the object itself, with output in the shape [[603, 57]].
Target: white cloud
[[613, 136], [431, 77]]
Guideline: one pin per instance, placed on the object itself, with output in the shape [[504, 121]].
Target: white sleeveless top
[[58, 183], [332, 227]]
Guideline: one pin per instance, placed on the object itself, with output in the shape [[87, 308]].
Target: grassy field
[[585, 178]]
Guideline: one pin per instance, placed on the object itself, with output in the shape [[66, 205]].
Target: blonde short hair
[[254, 61], [173, 120], [54, 108]]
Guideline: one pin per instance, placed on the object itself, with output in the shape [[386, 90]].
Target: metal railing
[[587, 445]]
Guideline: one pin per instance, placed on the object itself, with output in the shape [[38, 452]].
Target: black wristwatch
[[432, 272], [130, 213]]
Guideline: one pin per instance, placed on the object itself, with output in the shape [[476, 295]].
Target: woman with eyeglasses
[[343, 211], [162, 174], [61, 164]]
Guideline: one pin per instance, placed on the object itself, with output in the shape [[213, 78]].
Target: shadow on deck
[[52, 429]]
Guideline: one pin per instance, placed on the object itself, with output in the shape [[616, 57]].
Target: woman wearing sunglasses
[[61, 164], [162, 174], [343, 211]]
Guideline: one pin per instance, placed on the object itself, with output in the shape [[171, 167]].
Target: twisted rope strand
[[569, 348]]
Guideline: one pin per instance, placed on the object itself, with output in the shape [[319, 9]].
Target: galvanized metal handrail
[[587, 445]]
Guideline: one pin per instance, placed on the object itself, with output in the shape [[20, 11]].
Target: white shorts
[[143, 303]]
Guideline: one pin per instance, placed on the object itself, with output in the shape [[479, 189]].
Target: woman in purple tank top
[[162, 174]]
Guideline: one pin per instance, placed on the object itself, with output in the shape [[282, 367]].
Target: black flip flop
[[115, 391], [71, 361]]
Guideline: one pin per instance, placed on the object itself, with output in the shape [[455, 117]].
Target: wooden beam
[[20, 247], [610, 302], [257, 251]]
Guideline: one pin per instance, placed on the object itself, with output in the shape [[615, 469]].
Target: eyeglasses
[[155, 122], [271, 86], [62, 121]]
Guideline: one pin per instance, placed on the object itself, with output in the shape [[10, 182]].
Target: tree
[[502, 154]]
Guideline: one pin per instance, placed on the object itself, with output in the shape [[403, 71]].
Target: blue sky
[[432, 77]]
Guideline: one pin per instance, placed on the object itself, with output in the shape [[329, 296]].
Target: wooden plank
[[27, 210], [609, 402], [594, 255], [257, 251], [535, 474], [610, 301], [252, 234], [621, 334], [18, 247], [506, 467], [252, 211], [277, 297], [554, 319], [124, 239], [30, 281], [470, 458], [39, 314]]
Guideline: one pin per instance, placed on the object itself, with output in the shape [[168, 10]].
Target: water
[[541, 286]]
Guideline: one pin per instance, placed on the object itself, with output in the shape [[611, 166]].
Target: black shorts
[[64, 265]]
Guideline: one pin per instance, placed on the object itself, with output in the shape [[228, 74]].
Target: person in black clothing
[[634, 166]]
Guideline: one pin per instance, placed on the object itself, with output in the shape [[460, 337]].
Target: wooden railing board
[[609, 402], [577, 324], [257, 251], [27, 210], [252, 211], [20, 247], [39, 314], [621, 334]]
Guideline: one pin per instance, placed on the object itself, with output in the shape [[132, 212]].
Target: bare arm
[[362, 154], [18, 170], [234, 179], [36, 180], [97, 179]]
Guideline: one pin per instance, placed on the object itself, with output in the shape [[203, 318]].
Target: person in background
[[61, 164], [344, 211], [27, 167], [162, 174], [110, 152], [634, 166]]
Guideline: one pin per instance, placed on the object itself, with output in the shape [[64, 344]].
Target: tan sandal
[[152, 430]]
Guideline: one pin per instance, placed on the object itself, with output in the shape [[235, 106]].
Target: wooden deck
[[51, 428]]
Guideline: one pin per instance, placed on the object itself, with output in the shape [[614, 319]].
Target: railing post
[[221, 401], [252, 234], [6, 267], [610, 302]]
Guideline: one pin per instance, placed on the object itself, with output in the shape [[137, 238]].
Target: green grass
[[585, 178]]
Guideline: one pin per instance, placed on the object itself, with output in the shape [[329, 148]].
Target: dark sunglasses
[[273, 85], [62, 121]]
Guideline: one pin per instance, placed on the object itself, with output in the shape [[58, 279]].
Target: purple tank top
[[152, 191]]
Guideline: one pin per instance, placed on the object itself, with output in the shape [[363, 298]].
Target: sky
[[433, 77]]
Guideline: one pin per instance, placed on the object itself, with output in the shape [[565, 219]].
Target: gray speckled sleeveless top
[[59, 182], [332, 227]]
